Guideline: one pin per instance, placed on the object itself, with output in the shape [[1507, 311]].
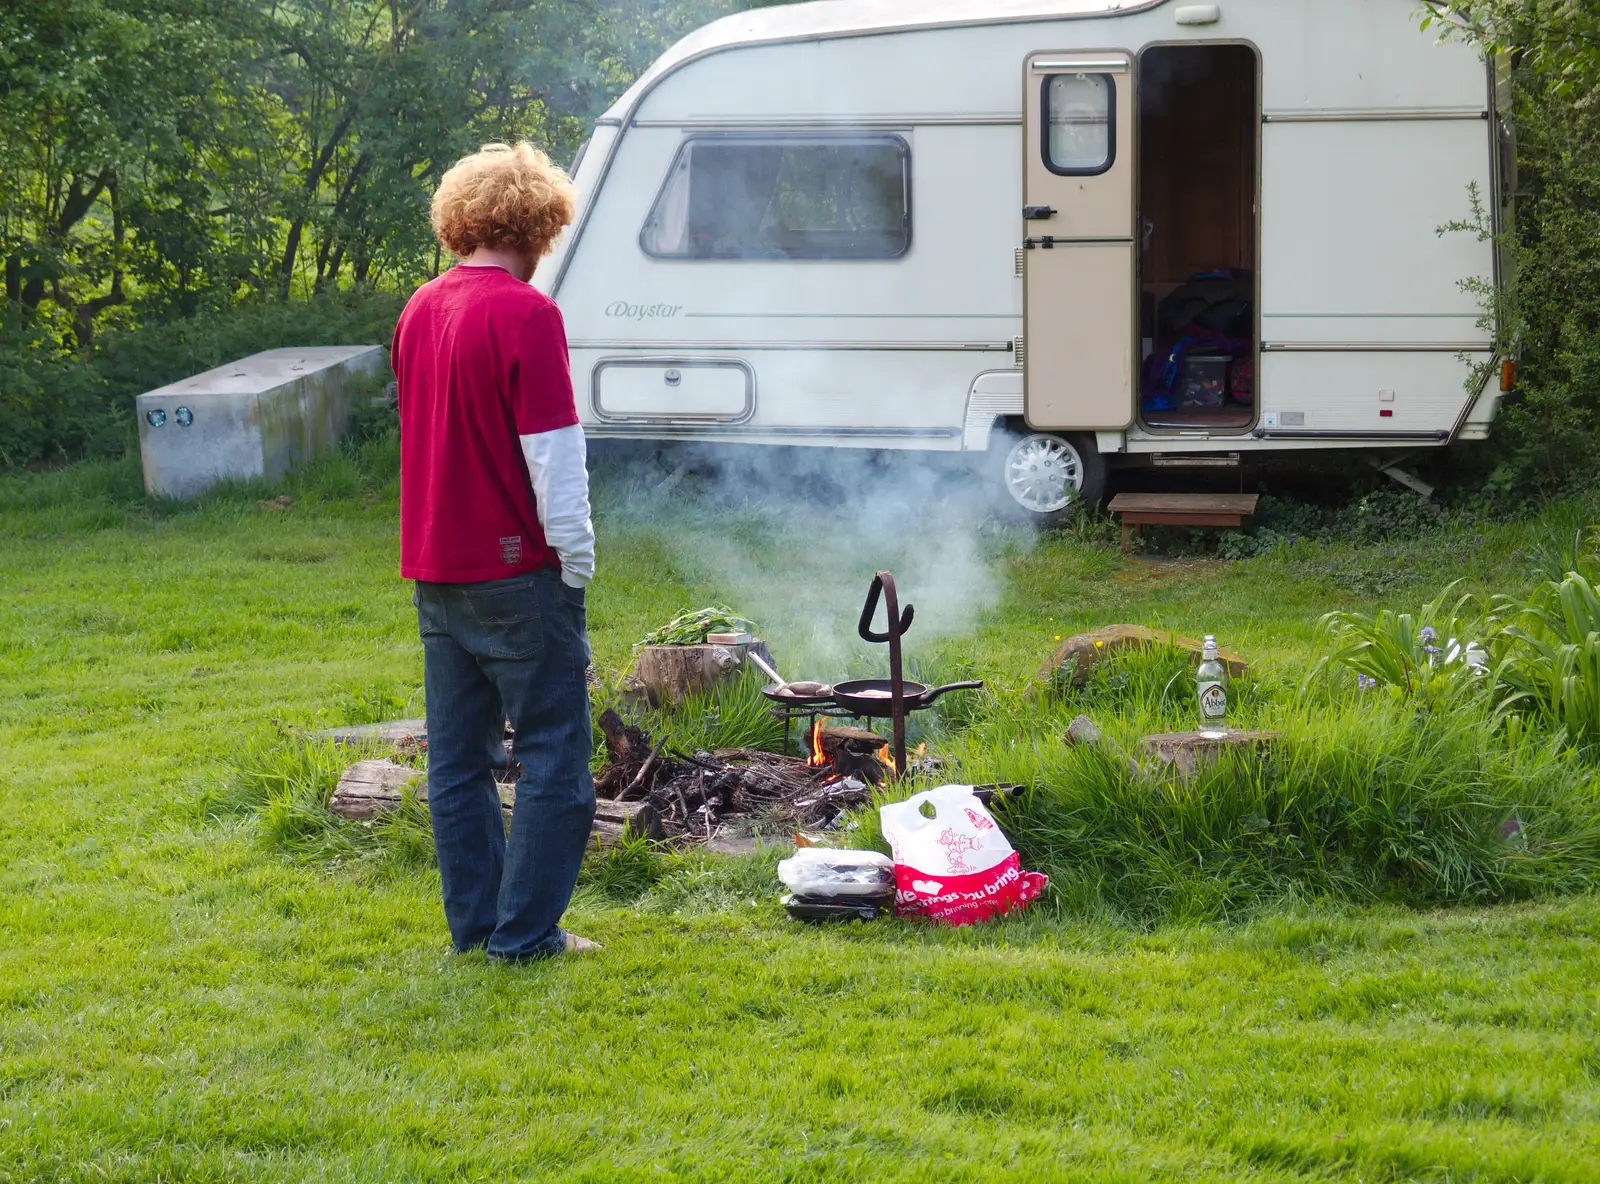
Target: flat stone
[[1184, 751], [1083, 732], [1077, 656], [744, 845], [390, 732]]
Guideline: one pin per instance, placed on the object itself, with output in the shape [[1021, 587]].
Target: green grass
[[195, 987]]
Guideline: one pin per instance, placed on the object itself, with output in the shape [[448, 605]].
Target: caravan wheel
[[1049, 475]]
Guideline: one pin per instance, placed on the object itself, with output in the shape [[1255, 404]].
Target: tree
[[1550, 303]]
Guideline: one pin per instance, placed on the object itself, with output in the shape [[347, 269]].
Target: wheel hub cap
[[1043, 474]]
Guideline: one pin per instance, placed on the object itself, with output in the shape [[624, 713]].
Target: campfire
[[695, 795], [843, 753]]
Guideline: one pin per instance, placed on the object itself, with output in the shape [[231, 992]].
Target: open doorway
[[1198, 124]]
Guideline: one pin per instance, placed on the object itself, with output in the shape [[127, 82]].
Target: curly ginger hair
[[503, 195]]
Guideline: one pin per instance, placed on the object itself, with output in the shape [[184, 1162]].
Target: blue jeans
[[507, 650]]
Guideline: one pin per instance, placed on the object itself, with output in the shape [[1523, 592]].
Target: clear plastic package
[[814, 872]]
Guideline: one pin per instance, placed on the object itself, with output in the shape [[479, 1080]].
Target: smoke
[[791, 537]]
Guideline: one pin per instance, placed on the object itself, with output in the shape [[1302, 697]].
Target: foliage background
[[1549, 308], [182, 177]]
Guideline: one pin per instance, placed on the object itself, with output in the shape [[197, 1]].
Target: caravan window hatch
[[784, 197], [1080, 137]]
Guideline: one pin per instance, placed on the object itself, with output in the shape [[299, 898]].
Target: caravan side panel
[[1351, 223]]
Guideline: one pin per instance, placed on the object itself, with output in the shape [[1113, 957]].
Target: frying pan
[[789, 696], [874, 697]]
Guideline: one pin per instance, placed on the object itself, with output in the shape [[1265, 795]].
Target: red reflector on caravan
[[1508, 374], [1386, 413]]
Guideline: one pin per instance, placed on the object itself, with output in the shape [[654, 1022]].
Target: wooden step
[[1181, 509]]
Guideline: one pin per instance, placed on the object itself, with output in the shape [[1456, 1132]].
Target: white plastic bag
[[956, 866], [825, 871]]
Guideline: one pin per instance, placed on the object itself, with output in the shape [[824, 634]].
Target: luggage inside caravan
[[1198, 121]]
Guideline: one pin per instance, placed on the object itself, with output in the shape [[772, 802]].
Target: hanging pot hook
[[871, 610], [898, 622]]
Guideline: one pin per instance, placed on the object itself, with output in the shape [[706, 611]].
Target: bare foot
[[582, 945]]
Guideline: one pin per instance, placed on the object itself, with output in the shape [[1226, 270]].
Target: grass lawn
[[182, 1000]]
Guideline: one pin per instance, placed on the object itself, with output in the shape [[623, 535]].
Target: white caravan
[[1051, 231]]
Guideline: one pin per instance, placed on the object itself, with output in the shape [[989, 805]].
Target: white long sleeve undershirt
[[558, 467]]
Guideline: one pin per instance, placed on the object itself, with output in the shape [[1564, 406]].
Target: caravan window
[[784, 197], [1079, 137]]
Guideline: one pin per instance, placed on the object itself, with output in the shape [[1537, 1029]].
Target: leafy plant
[[1552, 654], [1427, 656], [692, 627]]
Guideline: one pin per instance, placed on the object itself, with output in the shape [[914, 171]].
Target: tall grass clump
[[1359, 797], [284, 783], [732, 715], [1367, 802]]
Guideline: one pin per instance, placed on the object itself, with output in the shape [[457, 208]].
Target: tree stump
[[370, 788], [1186, 751], [669, 674]]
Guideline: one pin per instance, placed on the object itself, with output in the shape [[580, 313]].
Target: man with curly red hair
[[495, 530]]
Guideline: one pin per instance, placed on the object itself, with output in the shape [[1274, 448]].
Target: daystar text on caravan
[[641, 312]]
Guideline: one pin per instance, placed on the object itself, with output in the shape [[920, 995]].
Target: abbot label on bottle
[[1212, 682]]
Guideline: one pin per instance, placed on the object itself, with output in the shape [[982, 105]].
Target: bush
[[1549, 309], [1379, 515]]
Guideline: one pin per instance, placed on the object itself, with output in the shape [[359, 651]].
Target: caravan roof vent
[[1198, 14]]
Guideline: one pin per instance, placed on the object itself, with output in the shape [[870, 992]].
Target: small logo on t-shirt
[[511, 550]]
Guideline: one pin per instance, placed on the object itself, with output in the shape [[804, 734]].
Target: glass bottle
[[1211, 680]]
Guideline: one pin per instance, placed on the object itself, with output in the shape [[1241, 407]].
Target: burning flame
[[886, 758], [818, 758]]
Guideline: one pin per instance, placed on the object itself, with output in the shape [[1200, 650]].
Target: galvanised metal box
[[254, 419]]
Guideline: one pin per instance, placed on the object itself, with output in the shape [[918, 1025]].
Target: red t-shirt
[[481, 359]]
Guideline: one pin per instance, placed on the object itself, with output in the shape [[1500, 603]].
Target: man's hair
[[503, 195]]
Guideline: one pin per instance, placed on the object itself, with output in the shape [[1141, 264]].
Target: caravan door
[[1079, 283]]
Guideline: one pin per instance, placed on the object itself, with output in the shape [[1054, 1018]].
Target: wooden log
[[854, 752], [625, 744], [669, 674], [858, 740], [643, 818], [370, 788]]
